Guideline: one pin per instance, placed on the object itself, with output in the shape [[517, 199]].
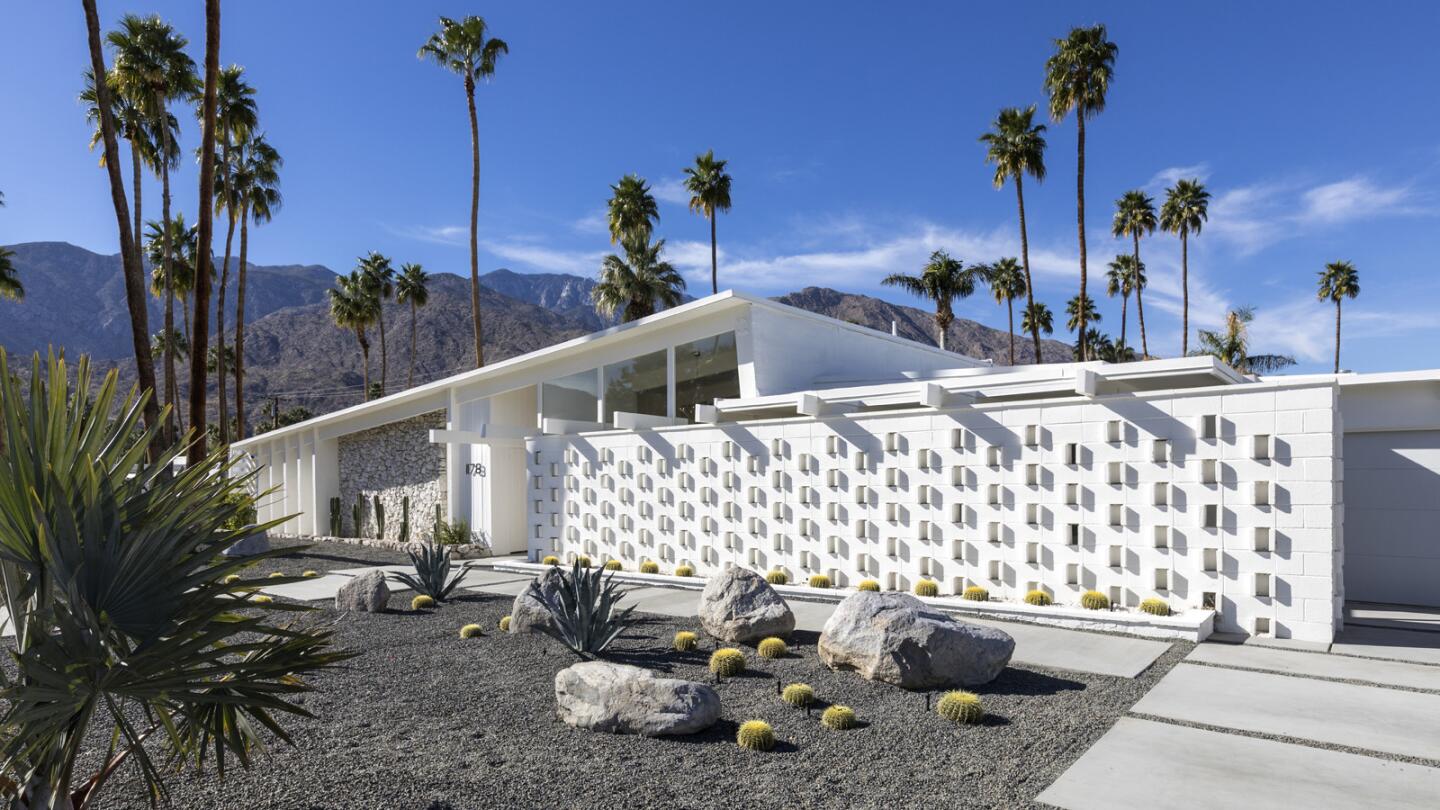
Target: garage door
[[1392, 517]]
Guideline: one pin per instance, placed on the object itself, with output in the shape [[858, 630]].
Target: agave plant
[[432, 575], [123, 614], [583, 607]]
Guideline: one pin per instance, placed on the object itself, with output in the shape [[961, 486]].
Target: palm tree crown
[[1038, 318], [10, 286], [1078, 74], [632, 211], [1232, 346], [1134, 215], [1338, 281], [942, 280], [1186, 207], [709, 187], [464, 47], [1075, 312], [151, 66], [638, 285], [353, 306]]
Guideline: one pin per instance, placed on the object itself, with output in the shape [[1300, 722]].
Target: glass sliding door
[[705, 370]]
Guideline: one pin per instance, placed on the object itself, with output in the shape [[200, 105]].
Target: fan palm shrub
[[584, 609], [124, 611]]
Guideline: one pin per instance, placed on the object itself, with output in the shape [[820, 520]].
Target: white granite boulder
[[530, 615], [895, 638], [366, 593], [621, 699], [739, 605]]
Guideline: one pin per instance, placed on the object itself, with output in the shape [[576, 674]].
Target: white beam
[[1087, 382], [626, 420], [707, 414]]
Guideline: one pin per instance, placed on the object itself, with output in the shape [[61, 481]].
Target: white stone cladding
[[1225, 496], [394, 461]]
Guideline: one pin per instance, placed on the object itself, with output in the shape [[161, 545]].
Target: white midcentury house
[[737, 431]]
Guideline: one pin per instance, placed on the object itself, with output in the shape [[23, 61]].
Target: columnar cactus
[[337, 524], [379, 510], [405, 519], [960, 707]]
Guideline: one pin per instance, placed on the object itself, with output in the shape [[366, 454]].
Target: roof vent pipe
[[895, 329]]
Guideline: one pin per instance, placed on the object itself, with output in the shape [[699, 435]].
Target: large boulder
[[739, 605], [621, 699], [895, 638], [248, 546], [528, 614], [366, 593]]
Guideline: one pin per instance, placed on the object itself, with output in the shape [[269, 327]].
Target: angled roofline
[[721, 301]]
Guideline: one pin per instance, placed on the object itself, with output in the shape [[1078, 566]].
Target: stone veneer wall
[[392, 461], [1226, 497]]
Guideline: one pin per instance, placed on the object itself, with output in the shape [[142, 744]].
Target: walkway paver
[[1396, 645], [1318, 665], [1141, 763], [1366, 717]]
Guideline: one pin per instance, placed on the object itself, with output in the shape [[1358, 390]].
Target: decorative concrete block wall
[[1224, 497], [393, 461]]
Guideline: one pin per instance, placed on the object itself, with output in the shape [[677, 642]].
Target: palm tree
[[943, 280], [638, 285], [152, 69], [1007, 282], [464, 47], [379, 277], [235, 119], [352, 306], [131, 264], [413, 288], [257, 185], [10, 286], [180, 279], [160, 343], [709, 187], [1338, 281], [1135, 217], [1097, 345], [1077, 316], [1232, 346], [1077, 76], [1017, 148], [1120, 280], [1186, 208], [1037, 318], [632, 211], [132, 125]]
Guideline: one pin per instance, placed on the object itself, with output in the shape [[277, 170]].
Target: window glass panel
[[576, 397], [636, 386], [705, 370]]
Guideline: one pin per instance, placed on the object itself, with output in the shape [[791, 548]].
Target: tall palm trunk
[[943, 318], [1080, 216], [135, 175], [1025, 260], [240, 326], [714, 261], [384, 352], [1124, 316], [205, 229], [364, 361], [1139, 302], [1184, 292], [167, 266], [410, 377], [134, 268], [220, 378], [474, 218], [1010, 307], [1337, 335]]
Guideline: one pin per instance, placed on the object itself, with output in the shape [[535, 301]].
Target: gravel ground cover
[[424, 720]]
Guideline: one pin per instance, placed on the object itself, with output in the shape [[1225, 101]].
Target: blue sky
[[851, 134]]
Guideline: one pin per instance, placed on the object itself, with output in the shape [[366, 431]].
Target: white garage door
[[1392, 517]]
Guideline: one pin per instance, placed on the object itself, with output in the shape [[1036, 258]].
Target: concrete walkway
[[1250, 697]]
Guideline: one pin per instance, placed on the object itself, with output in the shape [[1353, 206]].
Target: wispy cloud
[[595, 222], [1355, 198], [532, 256], [1167, 177], [671, 190], [1253, 217], [436, 234]]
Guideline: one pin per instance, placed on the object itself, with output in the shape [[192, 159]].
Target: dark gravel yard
[[426, 721]]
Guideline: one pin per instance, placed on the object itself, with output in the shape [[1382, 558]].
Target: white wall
[[903, 495]]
